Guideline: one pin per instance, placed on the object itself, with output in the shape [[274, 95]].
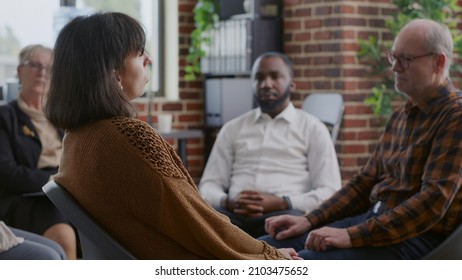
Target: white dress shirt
[[291, 155]]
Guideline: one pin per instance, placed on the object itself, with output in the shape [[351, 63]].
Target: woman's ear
[[118, 78]]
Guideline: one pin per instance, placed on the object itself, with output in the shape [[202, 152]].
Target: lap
[[34, 214], [255, 226], [413, 248], [34, 247]]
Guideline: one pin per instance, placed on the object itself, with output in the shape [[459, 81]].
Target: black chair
[[95, 242], [450, 249]]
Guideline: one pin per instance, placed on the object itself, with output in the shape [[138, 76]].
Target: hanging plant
[[205, 17]]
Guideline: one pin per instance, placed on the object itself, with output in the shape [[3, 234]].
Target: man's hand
[[320, 239], [285, 226], [253, 203]]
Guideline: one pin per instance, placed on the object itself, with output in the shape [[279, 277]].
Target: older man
[[406, 200]]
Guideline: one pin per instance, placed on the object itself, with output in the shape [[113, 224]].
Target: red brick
[[302, 36], [322, 11], [172, 107], [322, 85], [368, 10], [354, 123], [353, 149], [292, 25], [358, 109], [344, 9], [312, 23], [185, 7], [306, 12], [368, 135], [194, 107], [190, 118]]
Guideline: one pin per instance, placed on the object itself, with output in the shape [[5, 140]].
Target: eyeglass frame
[[37, 66], [392, 58]]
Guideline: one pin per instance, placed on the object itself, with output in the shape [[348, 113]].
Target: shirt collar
[[287, 114], [443, 94]]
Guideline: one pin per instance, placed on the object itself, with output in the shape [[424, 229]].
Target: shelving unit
[[236, 41]]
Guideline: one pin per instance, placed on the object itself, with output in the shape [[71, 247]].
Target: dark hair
[[282, 56], [83, 86]]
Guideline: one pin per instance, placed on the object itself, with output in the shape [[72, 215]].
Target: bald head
[[431, 36]]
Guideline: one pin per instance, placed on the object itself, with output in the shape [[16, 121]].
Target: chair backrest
[[328, 107], [450, 249], [96, 243]]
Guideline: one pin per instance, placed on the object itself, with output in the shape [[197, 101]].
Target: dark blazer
[[20, 149]]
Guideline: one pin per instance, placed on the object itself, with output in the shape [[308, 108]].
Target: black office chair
[[95, 242], [450, 249]]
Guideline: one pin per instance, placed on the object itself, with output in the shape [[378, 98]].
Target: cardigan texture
[[134, 184]]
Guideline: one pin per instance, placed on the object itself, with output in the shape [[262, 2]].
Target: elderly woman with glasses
[[30, 150]]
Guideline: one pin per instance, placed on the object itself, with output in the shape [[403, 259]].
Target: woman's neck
[[32, 100]]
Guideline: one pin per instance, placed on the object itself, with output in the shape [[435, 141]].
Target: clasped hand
[[254, 203], [321, 239], [286, 226]]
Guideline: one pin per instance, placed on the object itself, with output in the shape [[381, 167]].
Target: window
[[24, 22]]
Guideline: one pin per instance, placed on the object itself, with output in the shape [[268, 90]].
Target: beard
[[269, 106]]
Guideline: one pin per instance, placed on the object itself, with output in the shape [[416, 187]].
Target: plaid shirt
[[415, 170]]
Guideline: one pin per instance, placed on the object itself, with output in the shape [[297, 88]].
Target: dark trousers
[[254, 226], [413, 248]]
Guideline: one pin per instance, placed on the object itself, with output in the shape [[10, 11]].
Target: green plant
[[372, 51], [205, 17]]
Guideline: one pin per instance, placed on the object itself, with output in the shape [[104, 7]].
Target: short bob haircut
[[83, 85]]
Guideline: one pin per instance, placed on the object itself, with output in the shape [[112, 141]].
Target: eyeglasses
[[403, 61], [36, 65]]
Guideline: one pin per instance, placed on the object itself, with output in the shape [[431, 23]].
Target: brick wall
[[321, 37]]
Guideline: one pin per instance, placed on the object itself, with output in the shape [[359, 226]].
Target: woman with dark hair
[[119, 168]]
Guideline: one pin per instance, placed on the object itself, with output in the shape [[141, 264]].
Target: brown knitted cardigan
[[133, 183]]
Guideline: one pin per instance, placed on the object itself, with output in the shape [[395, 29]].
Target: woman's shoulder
[[10, 115], [126, 124], [129, 129], [8, 110], [149, 144]]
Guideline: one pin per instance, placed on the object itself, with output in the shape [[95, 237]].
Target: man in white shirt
[[274, 159]]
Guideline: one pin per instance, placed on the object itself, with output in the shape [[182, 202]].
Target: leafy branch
[[205, 17]]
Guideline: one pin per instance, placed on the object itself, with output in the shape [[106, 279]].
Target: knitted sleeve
[[184, 216]]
